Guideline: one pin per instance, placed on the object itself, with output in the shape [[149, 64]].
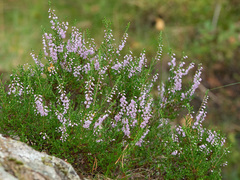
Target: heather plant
[[93, 106]]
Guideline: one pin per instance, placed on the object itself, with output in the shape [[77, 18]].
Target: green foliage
[[94, 104]]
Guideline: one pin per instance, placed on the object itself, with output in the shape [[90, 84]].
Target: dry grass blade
[[122, 154]]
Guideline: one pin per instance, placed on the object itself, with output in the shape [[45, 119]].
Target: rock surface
[[19, 161]]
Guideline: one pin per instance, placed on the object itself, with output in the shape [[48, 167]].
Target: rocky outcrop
[[19, 161]]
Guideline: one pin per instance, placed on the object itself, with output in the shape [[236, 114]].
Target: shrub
[[93, 106]]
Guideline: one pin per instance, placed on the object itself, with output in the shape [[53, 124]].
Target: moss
[[46, 161], [60, 166], [15, 160]]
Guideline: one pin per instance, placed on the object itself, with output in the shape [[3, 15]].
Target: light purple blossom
[[201, 114], [175, 138], [88, 120], [202, 147], [161, 91], [196, 82], [180, 131], [163, 122], [212, 137], [125, 128], [89, 93], [16, 86], [100, 120], [97, 65], [117, 66], [172, 64], [35, 58], [61, 28], [40, 108], [63, 98], [123, 42], [159, 52], [174, 153], [140, 141], [142, 61], [117, 117], [63, 130], [179, 73], [155, 77], [225, 164], [223, 141], [77, 71], [147, 114], [132, 109], [44, 135]]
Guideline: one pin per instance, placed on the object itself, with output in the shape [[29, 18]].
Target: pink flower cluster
[[207, 139], [175, 82], [88, 120], [61, 28], [201, 114], [35, 58], [78, 45], [140, 141], [89, 93], [40, 108], [16, 86], [123, 42], [62, 114]]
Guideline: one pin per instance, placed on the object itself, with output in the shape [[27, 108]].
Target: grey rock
[[19, 161]]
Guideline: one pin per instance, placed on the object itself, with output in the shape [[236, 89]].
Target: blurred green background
[[207, 31]]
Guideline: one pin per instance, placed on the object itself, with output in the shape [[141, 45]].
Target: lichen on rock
[[19, 161]]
